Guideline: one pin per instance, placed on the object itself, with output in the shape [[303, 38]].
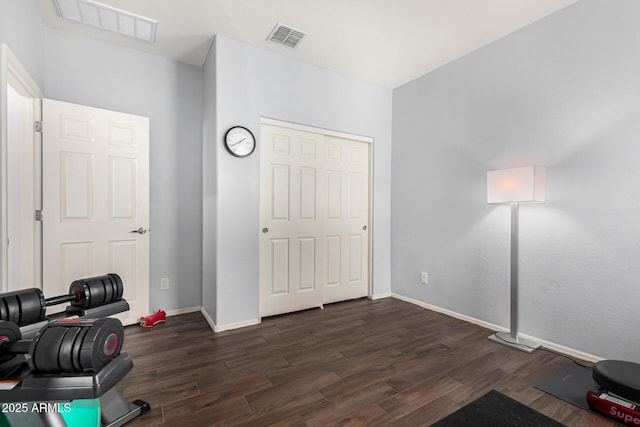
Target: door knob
[[364, 227], [139, 231], [265, 230]]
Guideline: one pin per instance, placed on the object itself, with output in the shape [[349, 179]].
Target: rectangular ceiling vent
[[108, 18], [285, 35]]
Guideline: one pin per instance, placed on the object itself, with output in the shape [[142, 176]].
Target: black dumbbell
[[66, 346], [92, 292], [22, 307], [96, 291], [28, 306]]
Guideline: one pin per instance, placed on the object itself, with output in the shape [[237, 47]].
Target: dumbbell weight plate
[[9, 362], [12, 332], [118, 285], [65, 356], [97, 291], [75, 351], [13, 308], [108, 289], [80, 289], [32, 306], [4, 314], [102, 343], [45, 350], [81, 292]]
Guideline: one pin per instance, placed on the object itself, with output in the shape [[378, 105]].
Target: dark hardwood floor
[[362, 362]]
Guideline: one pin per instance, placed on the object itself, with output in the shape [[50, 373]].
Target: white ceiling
[[385, 42]]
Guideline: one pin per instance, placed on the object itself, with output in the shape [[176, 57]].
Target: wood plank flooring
[[356, 363]]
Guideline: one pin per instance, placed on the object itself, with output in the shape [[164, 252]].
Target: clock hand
[[238, 142]]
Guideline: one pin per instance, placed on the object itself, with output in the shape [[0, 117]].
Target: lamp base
[[519, 343]]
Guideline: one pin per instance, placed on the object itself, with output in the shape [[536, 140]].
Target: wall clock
[[240, 141]]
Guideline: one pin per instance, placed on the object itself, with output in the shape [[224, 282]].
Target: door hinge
[[37, 126], [38, 215]]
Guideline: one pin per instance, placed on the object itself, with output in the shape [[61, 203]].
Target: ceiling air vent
[[285, 35], [108, 18]]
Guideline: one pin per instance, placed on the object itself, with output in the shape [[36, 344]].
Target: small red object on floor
[[153, 319]]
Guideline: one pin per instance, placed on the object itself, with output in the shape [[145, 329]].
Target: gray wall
[[22, 30], [253, 83], [563, 93], [84, 71]]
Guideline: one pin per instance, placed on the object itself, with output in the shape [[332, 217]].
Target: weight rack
[[24, 385]]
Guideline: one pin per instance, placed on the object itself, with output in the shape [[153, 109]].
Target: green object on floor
[[85, 412], [77, 413]]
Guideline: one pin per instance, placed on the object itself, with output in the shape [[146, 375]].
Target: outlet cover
[[424, 278], [164, 283]]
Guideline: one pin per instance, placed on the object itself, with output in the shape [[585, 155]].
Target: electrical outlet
[[424, 278], [164, 283]]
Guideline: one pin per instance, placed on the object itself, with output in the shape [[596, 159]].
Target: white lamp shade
[[525, 185]]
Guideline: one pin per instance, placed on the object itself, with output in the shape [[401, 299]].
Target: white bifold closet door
[[314, 219], [96, 200]]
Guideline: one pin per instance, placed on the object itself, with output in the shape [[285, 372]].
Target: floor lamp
[[514, 186]]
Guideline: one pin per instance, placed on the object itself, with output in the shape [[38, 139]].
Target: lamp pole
[[515, 227]]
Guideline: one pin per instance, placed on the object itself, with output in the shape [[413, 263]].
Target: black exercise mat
[[495, 409], [570, 383]]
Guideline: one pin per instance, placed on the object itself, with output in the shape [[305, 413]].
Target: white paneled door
[[314, 217], [346, 235], [96, 200]]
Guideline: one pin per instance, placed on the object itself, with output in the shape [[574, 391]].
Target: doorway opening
[[21, 169]]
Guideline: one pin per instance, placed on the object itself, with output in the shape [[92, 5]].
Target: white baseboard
[[229, 326], [450, 313], [180, 311], [208, 319], [380, 296], [565, 350], [547, 344]]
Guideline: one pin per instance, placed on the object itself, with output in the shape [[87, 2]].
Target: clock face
[[240, 141]]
